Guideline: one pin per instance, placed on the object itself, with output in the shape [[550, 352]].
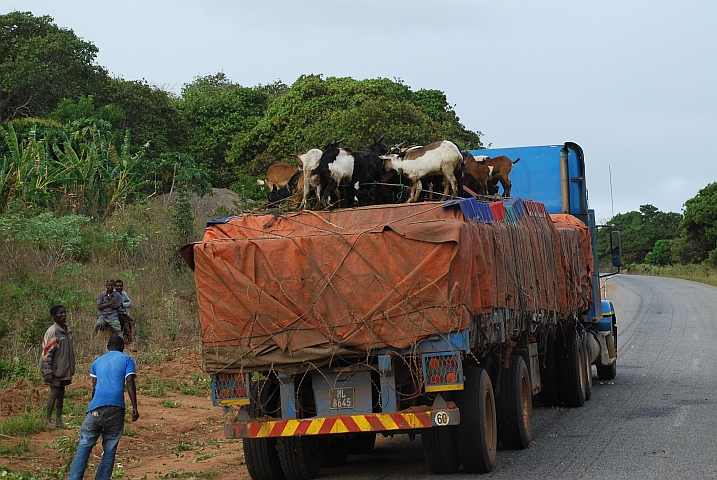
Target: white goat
[[437, 158], [309, 163]]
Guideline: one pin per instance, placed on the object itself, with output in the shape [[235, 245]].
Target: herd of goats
[[344, 178]]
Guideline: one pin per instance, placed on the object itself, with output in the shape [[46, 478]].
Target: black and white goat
[[437, 158], [341, 166]]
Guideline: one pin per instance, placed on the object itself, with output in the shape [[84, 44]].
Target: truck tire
[[260, 454], [514, 405], [572, 369], [550, 372], [299, 456], [440, 449], [478, 430], [588, 368], [362, 443]]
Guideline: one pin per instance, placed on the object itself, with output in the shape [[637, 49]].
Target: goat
[[282, 180], [278, 175], [339, 166], [482, 174], [294, 186], [309, 163], [437, 158]]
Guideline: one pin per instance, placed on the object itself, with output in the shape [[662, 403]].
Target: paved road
[[657, 419]]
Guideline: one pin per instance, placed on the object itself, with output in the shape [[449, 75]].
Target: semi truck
[[444, 320]]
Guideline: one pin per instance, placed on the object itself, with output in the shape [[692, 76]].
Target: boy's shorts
[[124, 320], [114, 324]]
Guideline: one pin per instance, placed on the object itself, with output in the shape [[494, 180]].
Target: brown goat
[[483, 175], [278, 175]]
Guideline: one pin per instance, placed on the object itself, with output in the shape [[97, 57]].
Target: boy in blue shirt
[[105, 414]]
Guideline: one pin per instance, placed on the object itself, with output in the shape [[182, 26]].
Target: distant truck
[[438, 319]]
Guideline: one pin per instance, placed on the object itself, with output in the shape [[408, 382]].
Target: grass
[[25, 424], [198, 384], [167, 403], [695, 273], [7, 474], [191, 475], [14, 369], [16, 450], [181, 447], [156, 387]]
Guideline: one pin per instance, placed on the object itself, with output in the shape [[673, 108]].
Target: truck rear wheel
[[440, 450], [478, 430], [514, 405], [550, 373], [572, 369], [588, 368], [260, 454], [299, 456]]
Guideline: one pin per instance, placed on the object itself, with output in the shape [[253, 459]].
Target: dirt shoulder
[[177, 436]]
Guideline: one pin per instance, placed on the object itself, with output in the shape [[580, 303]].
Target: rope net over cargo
[[305, 290]]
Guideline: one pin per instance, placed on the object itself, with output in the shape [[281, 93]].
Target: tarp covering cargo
[[306, 287]]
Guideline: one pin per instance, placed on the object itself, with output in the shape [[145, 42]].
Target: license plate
[[341, 398]]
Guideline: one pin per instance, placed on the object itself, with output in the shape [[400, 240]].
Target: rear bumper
[[374, 422]]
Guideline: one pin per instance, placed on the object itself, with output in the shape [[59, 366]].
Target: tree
[[70, 110], [40, 64], [176, 171], [639, 232], [150, 113], [214, 110], [317, 111], [661, 253], [699, 225]]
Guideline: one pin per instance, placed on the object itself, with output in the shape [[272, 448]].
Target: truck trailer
[[440, 319]]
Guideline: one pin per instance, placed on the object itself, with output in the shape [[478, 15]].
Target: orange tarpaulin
[[303, 287]]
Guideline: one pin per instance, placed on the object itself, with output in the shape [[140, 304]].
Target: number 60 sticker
[[442, 418]]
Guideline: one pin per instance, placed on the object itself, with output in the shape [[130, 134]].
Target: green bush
[[5, 329], [14, 369], [247, 188], [33, 331], [43, 239]]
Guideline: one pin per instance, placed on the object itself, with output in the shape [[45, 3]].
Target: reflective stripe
[[331, 425]]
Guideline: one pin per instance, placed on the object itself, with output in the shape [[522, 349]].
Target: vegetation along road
[[655, 420]]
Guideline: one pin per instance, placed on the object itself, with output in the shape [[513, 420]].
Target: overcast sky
[[632, 82]]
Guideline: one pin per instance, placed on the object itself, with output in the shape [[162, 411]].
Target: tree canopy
[[40, 64], [640, 231], [699, 227], [215, 110], [316, 111]]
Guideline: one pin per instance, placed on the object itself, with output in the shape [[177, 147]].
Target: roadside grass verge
[[695, 273]]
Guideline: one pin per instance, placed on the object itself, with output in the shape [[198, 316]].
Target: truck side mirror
[[616, 248]]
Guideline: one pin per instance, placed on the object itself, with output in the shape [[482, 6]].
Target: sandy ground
[[186, 441]]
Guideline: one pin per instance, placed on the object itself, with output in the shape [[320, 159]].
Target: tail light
[[442, 371], [230, 388]]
